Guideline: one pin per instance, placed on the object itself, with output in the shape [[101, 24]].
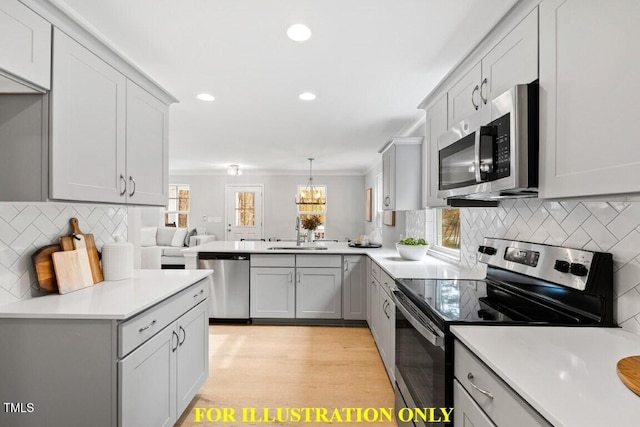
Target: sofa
[[161, 247]]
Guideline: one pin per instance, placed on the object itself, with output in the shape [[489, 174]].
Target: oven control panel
[[522, 256]]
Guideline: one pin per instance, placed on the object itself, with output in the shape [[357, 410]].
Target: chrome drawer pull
[[485, 392], [199, 293], [150, 325]]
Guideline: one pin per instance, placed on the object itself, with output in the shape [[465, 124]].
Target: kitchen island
[[121, 353]]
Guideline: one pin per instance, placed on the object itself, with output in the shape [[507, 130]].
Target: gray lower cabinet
[[354, 287], [383, 316], [287, 286], [467, 413], [159, 379]]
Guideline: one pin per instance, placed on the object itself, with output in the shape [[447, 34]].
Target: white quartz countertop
[[107, 300], [568, 374], [388, 258]]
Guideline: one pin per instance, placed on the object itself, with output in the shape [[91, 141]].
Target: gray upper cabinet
[[25, 43], [436, 123], [513, 60], [401, 174], [589, 90], [88, 119]]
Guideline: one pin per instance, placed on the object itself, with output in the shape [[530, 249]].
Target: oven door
[[420, 361]]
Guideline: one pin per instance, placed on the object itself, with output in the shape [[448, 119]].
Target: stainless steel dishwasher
[[230, 284]]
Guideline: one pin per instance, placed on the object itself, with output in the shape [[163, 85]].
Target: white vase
[[311, 236]]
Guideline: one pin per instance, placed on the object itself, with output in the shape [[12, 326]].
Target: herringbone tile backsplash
[[597, 226], [25, 227]]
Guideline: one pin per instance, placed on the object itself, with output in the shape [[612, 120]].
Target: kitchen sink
[[297, 248]]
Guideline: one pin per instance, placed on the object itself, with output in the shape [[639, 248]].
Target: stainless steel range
[[525, 284]]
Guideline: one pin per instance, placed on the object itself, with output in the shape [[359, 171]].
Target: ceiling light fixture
[[205, 97], [310, 195], [299, 33], [234, 170], [307, 96]]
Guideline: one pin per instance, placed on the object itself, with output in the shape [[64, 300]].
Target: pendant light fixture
[[310, 195]]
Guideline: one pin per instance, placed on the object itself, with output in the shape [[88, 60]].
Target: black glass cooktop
[[481, 301]]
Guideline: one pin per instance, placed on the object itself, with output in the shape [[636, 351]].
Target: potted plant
[[311, 223], [412, 249]]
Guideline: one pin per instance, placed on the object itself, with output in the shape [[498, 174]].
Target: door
[[272, 293], [148, 382], [88, 140], [192, 368], [147, 148], [318, 293], [244, 212]]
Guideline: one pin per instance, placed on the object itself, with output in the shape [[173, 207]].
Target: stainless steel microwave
[[493, 154]]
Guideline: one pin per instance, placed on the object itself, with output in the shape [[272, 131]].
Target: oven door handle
[[429, 334]]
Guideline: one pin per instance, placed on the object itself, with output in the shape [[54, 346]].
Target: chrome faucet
[[298, 231]]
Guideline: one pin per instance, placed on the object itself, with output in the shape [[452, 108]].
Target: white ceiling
[[370, 62]]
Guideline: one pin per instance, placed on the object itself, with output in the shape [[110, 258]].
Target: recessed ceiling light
[[205, 97], [307, 96], [299, 32]]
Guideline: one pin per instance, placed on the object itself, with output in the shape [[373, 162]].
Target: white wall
[[390, 234], [345, 202]]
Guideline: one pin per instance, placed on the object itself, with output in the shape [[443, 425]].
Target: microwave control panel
[[495, 149]]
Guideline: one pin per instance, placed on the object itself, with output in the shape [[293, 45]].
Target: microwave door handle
[[477, 156]]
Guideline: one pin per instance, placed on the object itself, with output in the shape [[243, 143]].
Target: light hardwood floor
[[290, 367]]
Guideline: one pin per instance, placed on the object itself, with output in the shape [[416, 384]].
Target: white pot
[[412, 252]]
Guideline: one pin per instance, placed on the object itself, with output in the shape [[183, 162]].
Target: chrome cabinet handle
[[483, 85], [346, 265], [298, 277], [184, 336], [150, 325], [387, 200], [473, 97], [290, 277], [133, 191], [199, 293], [485, 392], [173, 334], [124, 181]]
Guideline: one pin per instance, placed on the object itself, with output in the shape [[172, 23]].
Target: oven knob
[[579, 269], [489, 250], [562, 266]]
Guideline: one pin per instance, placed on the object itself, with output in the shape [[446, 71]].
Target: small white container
[[117, 260], [412, 252]]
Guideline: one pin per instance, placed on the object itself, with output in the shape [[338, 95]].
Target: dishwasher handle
[[224, 256]]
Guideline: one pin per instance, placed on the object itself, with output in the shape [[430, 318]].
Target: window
[[447, 231], [304, 210], [244, 209], [176, 213]]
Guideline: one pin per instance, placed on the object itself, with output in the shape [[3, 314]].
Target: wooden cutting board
[[69, 243], [629, 372], [43, 264], [72, 268]]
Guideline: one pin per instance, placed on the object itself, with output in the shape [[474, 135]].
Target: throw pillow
[[165, 235], [148, 236], [178, 237], [192, 232]]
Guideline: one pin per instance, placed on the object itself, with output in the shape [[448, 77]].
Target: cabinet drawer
[[144, 326], [386, 282], [318, 260], [506, 405], [280, 260], [375, 271]]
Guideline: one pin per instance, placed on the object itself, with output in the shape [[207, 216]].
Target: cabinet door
[[147, 148], [148, 382], [318, 293], [88, 103], [467, 412], [514, 60], [436, 123], [192, 365], [368, 291], [389, 178], [464, 96], [25, 43], [588, 98], [374, 290], [272, 293], [388, 325], [354, 288]]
